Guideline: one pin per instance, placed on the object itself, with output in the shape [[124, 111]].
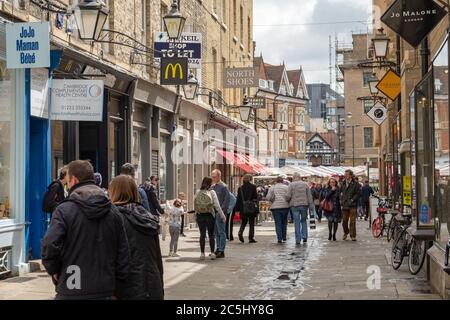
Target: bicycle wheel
[[398, 250], [377, 227], [391, 229], [417, 255]]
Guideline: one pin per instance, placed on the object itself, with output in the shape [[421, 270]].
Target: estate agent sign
[[413, 20], [28, 45], [188, 46]]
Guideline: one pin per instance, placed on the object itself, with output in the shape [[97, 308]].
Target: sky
[[300, 43]]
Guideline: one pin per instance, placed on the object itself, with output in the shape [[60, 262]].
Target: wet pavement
[[266, 270]]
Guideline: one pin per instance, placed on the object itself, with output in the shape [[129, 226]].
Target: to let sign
[[240, 77], [28, 45], [188, 46], [174, 71]]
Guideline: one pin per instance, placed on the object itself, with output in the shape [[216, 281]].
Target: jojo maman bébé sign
[[28, 45]]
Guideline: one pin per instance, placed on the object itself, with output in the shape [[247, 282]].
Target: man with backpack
[[85, 249], [56, 192]]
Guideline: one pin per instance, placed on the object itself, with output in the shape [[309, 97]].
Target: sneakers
[[345, 237], [202, 256], [212, 256], [279, 241], [220, 255], [175, 255], [170, 254]]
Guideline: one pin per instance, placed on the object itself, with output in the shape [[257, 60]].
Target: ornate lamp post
[[174, 22], [90, 16]]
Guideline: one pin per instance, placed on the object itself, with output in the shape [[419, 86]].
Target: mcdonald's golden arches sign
[[174, 71]]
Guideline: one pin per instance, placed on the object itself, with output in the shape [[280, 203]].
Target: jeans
[[300, 220], [349, 214], [174, 235], [205, 222], [281, 221], [221, 235], [251, 220]]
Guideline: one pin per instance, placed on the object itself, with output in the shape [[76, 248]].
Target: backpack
[[49, 197], [203, 202]]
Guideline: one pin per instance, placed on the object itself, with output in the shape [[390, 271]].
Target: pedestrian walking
[[85, 249], [151, 188], [129, 170], [145, 277], [223, 195], [207, 206], [331, 207], [230, 216], [366, 192], [278, 195], [176, 212], [317, 197], [248, 208], [56, 193], [350, 194], [184, 204], [301, 201]]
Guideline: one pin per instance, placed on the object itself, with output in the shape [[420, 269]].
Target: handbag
[[250, 207], [327, 205]]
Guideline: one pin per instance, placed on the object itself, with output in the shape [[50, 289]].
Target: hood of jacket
[[91, 199], [139, 217]]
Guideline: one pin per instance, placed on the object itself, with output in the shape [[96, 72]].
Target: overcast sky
[[306, 45]]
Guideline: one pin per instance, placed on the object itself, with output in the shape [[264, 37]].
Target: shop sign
[[390, 85], [28, 45], [174, 71], [257, 102], [413, 20], [77, 100], [39, 93], [189, 46], [378, 113], [407, 198], [240, 77]]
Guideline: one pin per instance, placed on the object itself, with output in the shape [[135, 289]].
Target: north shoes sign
[[174, 71], [413, 20], [28, 45], [240, 77]]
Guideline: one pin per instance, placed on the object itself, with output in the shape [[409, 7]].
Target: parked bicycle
[[380, 223], [405, 245]]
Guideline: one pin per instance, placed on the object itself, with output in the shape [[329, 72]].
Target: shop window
[[368, 104], [441, 145], [368, 137], [7, 143], [366, 77]]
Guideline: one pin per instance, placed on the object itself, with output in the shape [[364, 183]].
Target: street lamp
[[381, 44], [191, 88], [373, 87], [90, 16], [174, 22], [270, 122], [245, 109]]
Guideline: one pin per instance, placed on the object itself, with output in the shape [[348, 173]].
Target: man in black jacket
[[152, 194], [85, 249], [351, 192], [55, 192]]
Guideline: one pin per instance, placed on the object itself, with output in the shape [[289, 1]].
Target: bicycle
[[405, 245], [398, 219], [379, 224]]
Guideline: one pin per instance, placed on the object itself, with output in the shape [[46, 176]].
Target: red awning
[[237, 160], [245, 162]]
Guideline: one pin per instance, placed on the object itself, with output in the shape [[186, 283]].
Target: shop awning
[[244, 162]]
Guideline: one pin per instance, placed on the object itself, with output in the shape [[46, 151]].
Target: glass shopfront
[[7, 136], [441, 145]]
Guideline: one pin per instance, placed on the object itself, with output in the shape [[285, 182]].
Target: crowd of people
[[104, 243]]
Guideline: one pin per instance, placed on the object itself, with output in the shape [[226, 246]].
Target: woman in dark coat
[[145, 279], [332, 193], [247, 192]]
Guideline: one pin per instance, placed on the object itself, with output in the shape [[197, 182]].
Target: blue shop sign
[[28, 45]]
